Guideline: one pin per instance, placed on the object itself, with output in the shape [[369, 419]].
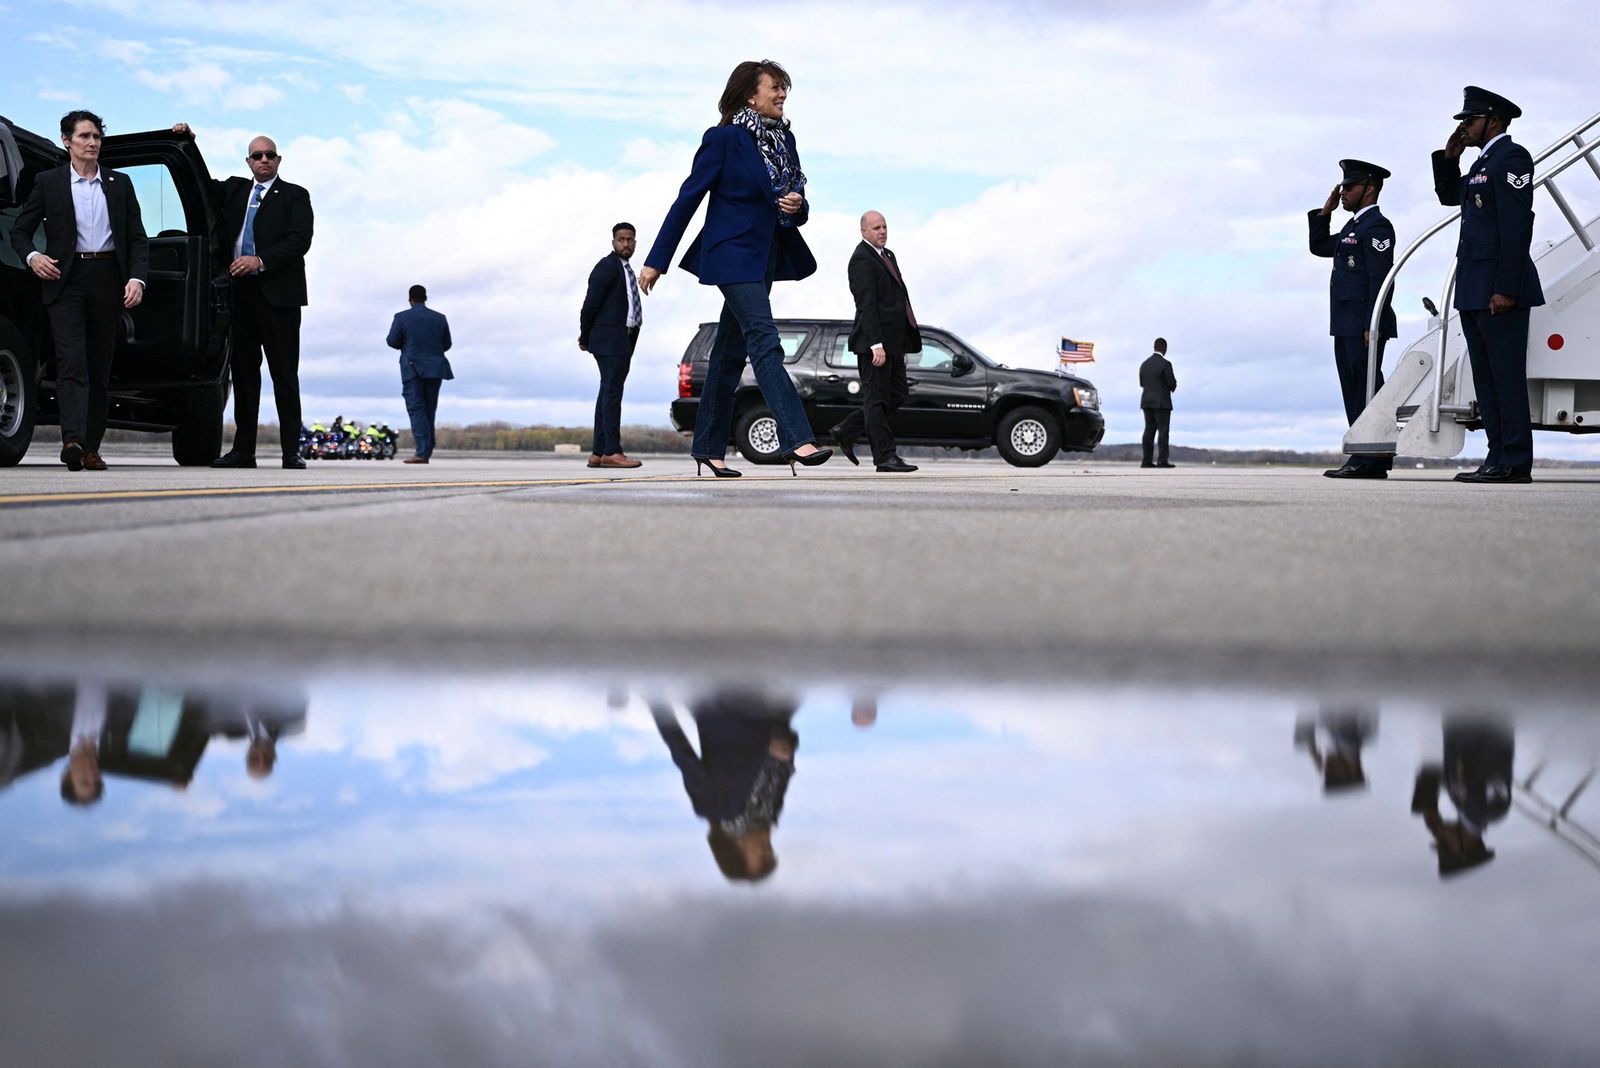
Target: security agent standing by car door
[[1496, 281], [94, 263], [1362, 253], [885, 331]]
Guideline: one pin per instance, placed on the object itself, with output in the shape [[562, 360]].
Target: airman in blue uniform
[[1496, 281], [1362, 253]]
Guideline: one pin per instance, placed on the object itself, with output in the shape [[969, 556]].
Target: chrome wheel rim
[[1028, 437], [764, 435], [11, 393]]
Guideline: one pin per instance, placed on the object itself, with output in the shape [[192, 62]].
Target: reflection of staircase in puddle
[[1554, 796]]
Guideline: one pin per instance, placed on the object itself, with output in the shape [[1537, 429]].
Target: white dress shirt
[[266, 187]]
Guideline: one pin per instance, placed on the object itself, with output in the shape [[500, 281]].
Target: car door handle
[[911, 381], [833, 378]]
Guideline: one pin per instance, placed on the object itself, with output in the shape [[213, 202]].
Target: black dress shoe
[[1471, 476], [1507, 476], [846, 446], [896, 466], [1148, 463], [72, 456], [234, 458], [1357, 472], [1164, 463], [292, 463]]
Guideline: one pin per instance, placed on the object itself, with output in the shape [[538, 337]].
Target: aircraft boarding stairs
[[1427, 402]]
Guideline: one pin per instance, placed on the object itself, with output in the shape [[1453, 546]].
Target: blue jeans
[[422, 400], [746, 332]]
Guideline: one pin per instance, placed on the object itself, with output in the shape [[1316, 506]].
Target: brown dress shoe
[[72, 456], [619, 459], [92, 461], [415, 460], [594, 459]]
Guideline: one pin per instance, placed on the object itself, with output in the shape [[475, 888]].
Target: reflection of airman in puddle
[[1340, 762], [738, 780], [1476, 774]]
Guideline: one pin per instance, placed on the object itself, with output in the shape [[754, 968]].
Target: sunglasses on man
[[263, 155]]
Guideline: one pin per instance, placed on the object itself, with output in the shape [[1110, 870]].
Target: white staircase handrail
[[1584, 151]]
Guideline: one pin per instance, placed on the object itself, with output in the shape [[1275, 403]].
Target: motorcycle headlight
[[1086, 397]]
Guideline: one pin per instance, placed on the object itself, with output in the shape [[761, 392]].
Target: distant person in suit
[[423, 337], [94, 263], [885, 330], [1338, 760], [749, 166], [1496, 281], [1362, 254], [738, 780], [608, 329], [1159, 384], [267, 222], [1476, 775]]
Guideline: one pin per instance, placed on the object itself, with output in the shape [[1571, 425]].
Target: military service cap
[[1477, 101], [1356, 170]]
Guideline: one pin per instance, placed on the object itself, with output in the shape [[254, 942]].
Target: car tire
[[197, 438], [756, 436], [1028, 437], [19, 396]]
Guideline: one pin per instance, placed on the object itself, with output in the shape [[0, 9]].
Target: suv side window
[[935, 356], [792, 341], [159, 206], [840, 355]]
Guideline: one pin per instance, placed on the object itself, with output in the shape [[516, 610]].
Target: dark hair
[[1161, 344], [731, 860], [69, 122], [742, 85], [624, 226], [418, 295]]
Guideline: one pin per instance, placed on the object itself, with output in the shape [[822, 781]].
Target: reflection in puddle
[[410, 868]]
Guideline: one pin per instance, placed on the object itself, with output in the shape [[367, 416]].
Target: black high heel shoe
[[815, 459], [720, 472]]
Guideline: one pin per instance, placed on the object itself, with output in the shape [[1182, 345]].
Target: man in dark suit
[[93, 265], [885, 331], [608, 329], [423, 337], [269, 222], [1496, 281], [1362, 253], [1158, 383]]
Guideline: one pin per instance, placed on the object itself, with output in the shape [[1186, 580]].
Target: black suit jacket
[[51, 203], [1157, 381], [603, 322], [283, 235], [880, 306]]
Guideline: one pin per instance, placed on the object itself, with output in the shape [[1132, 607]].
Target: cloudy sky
[[1105, 171]]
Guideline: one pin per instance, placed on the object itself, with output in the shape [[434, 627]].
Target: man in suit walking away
[[93, 265], [269, 221], [1159, 384], [608, 329], [885, 331], [423, 337], [1362, 254], [1496, 281]]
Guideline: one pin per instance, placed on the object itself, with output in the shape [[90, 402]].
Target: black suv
[[170, 371], [958, 397]]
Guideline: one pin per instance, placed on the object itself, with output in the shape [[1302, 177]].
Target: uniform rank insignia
[[1381, 246], [1516, 181], [1350, 239], [1477, 198], [1351, 262]]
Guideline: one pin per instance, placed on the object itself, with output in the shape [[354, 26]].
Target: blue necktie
[[247, 243], [633, 296]]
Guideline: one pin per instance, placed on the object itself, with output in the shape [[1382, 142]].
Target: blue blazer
[[1363, 253], [603, 320], [1496, 198], [741, 217], [423, 337]]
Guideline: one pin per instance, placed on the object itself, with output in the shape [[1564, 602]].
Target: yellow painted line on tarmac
[[248, 491]]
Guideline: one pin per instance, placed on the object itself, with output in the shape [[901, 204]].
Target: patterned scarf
[[782, 168]]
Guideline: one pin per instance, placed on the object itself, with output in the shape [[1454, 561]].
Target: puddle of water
[[365, 866]]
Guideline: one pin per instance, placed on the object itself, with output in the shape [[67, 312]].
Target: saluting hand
[[647, 278], [1456, 144], [1332, 202]]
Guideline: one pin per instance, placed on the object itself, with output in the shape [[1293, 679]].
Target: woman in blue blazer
[[749, 166]]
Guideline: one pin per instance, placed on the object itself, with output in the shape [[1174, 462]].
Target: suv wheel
[[18, 397], [197, 439], [756, 436], [1028, 437]]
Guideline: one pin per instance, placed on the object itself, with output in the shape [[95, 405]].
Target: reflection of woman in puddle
[[738, 780], [1476, 774], [1347, 732]]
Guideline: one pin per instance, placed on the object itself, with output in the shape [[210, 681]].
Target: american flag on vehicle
[[1076, 351]]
